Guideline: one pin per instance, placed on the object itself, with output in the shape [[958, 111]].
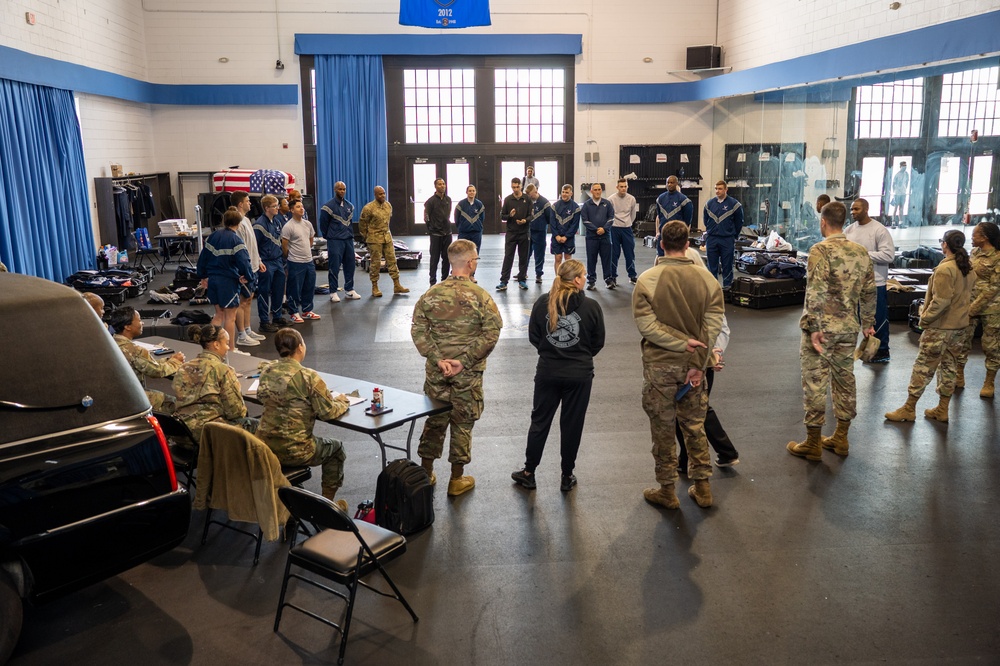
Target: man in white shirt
[[245, 335], [622, 238], [876, 239], [296, 243]]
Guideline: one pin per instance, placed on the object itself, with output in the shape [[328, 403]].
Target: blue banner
[[444, 13]]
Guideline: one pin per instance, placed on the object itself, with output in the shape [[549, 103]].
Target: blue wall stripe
[[25, 67], [485, 44], [964, 38]]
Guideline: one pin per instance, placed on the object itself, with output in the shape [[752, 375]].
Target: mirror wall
[[919, 146]]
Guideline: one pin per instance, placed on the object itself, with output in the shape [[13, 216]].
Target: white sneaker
[[239, 352], [352, 295], [334, 298], [243, 339], [256, 336]]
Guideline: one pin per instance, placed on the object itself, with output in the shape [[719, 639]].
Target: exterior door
[[421, 174]]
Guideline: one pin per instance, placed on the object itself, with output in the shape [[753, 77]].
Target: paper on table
[[147, 346], [354, 397], [253, 387]]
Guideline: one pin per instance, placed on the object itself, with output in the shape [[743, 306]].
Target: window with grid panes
[[439, 105], [530, 105], [889, 110], [969, 101]]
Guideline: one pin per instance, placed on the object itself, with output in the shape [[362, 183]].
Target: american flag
[[250, 180]]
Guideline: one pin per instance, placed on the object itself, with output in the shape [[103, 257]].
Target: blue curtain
[[45, 225], [351, 140]]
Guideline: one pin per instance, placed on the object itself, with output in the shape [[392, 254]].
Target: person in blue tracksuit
[[270, 283], [723, 223], [335, 227], [673, 205], [470, 213], [538, 224], [598, 215], [224, 265], [564, 227]]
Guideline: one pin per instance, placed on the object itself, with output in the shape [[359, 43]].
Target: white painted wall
[[757, 32]]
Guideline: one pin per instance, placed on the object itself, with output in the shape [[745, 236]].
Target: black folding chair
[[183, 446], [343, 551]]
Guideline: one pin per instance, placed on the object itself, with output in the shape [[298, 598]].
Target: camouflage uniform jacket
[[207, 390], [986, 290], [948, 294], [374, 223], [293, 398], [143, 364], [840, 279], [456, 319]]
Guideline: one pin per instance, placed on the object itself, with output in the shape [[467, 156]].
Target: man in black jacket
[[437, 217], [516, 212]]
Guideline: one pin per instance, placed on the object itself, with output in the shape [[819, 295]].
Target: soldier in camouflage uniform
[[127, 326], [207, 389], [374, 228], [944, 318], [840, 286], [455, 327], [678, 308], [294, 397], [985, 306]]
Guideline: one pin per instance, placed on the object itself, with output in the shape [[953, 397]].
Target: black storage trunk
[[760, 292], [918, 275], [898, 302], [112, 295], [752, 265]]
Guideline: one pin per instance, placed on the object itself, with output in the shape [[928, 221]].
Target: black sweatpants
[[521, 243], [714, 431], [439, 250], [574, 394]]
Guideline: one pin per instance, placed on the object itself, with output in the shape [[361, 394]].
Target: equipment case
[[759, 292], [898, 302]]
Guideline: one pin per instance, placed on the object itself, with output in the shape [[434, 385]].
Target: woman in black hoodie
[[567, 328]]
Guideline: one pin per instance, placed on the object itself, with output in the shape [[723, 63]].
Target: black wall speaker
[[704, 57]]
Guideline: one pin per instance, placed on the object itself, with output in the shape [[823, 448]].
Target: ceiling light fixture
[[223, 60]]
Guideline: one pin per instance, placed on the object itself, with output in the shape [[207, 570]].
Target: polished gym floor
[[890, 555]]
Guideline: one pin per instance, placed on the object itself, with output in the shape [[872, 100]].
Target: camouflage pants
[[376, 251], [465, 393], [161, 402], [938, 353], [659, 388], [834, 368], [990, 341], [330, 456]]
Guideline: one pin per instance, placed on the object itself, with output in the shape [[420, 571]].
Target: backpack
[[404, 497]]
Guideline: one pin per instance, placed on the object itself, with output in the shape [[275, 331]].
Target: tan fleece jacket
[[948, 293], [672, 302]]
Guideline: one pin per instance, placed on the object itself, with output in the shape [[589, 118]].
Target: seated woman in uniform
[[207, 389], [294, 397], [127, 326]]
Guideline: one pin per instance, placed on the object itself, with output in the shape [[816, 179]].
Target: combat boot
[[939, 413], [460, 484], [664, 496], [701, 493], [837, 442], [428, 465], [987, 390], [375, 290], [907, 412], [398, 288], [811, 448], [960, 377]]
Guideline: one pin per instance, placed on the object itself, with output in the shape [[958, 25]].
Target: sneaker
[[502, 286], [244, 340], [538, 279], [880, 357], [633, 280], [283, 322], [334, 297], [610, 284], [353, 295], [257, 336], [296, 319], [524, 479], [523, 284], [591, 286], [461, 485], [268, 327], [239, 352], [310, 315], [719, 462], [567, 483]]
